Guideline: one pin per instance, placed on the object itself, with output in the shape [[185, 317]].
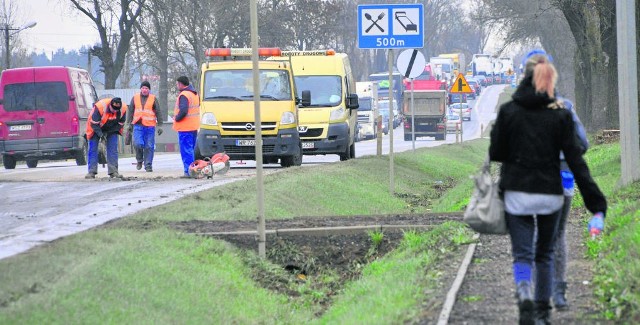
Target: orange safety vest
[[191, 122], [145, 113], [101, 106]]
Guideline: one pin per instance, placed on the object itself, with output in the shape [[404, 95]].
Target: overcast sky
[[58, 26]]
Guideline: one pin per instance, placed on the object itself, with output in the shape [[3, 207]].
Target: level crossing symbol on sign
[[390, 26], [460, 86]]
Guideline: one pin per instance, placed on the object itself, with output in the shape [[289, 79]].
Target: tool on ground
[[218, 164]]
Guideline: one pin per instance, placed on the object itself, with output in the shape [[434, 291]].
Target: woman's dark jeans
[[521, 229]]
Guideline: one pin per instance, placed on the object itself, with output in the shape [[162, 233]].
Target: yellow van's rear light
[[309, 53], [263, 51]]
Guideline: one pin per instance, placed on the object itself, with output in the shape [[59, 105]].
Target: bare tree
[[156, 27], [9, 18], [585, 26], [107, 16]]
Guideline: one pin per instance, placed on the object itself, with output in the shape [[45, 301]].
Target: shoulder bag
[[485, 212]]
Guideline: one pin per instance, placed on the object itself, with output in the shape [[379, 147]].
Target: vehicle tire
[[407, 137], [32, 163], [81, 155], [352, 150], [441, 137], [295, 160], [9, 162], [346, 155], [197, 154]]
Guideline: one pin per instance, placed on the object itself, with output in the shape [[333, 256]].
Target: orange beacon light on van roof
[[263, 51], [329, 52]]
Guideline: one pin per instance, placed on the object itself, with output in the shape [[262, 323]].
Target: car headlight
[[337, 114], [287, 118], [208, 119]]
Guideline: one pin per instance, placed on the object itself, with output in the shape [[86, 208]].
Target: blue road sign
[[391, 26]]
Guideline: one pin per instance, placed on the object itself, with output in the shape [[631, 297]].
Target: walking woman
[[528, 135]]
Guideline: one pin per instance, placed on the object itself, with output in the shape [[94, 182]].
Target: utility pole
[[7, 52], [627, 91]]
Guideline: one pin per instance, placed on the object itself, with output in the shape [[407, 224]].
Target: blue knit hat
[[536, 52]]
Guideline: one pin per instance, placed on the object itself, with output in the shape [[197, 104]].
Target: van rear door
[[18, 109], [52, 89]]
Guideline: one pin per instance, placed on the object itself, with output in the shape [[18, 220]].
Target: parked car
[[383, 105], [482, 80], [385, 120], [456, 98], [466, 110], [43, 113], [453, 123], [475, 85]]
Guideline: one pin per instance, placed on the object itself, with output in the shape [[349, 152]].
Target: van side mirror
[[352, 101], [306, 98]]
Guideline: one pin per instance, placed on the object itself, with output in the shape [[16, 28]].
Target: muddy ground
[[487, 293]]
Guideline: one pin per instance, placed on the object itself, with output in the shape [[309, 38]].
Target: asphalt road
[[54, 200]]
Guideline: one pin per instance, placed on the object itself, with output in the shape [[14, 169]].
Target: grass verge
[[617, 252], [138, 270], [355, 187], [392, 289]]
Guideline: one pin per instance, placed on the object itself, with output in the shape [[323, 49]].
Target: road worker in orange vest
[[186, 120], [142, 120], [105, 122]]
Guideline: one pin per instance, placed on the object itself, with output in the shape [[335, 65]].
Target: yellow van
[[227, 120], [328, 124]]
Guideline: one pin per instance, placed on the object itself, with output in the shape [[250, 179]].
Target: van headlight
[[208, 119], [287, 118], [337, 114]]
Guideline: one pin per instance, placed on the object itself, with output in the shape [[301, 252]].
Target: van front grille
[[312, 133], [266, 149]]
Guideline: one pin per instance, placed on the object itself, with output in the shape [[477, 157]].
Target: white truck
[[481, 65], [442, 67], [368, 111], [507, 64]]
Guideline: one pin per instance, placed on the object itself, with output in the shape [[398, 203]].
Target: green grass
[[355, 187], [123, 276], [139, 270], [617, 252], [392, 289]]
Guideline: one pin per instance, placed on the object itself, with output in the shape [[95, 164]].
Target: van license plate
[[24, 127], [308, 145], [245, 143]]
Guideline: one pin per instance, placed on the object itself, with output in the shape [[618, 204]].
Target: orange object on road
[[207, 167]]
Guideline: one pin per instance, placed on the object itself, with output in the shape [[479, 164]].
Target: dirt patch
[[487, 295], [324, 261], [203, 227], [607, 136]]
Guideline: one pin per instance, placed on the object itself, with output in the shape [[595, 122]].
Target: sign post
[[411, 64], [460, 86], [391, 26]]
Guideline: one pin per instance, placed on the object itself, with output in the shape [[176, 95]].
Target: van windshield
[[235, 85], [326, 91], [46, 96]]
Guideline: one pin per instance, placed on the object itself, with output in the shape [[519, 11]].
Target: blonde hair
[[544, 74]]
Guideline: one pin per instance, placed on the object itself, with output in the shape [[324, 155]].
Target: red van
[[43, 113]]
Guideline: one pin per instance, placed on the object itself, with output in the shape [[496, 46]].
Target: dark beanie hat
[[145, 84], [118, 101], [183, 80]]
